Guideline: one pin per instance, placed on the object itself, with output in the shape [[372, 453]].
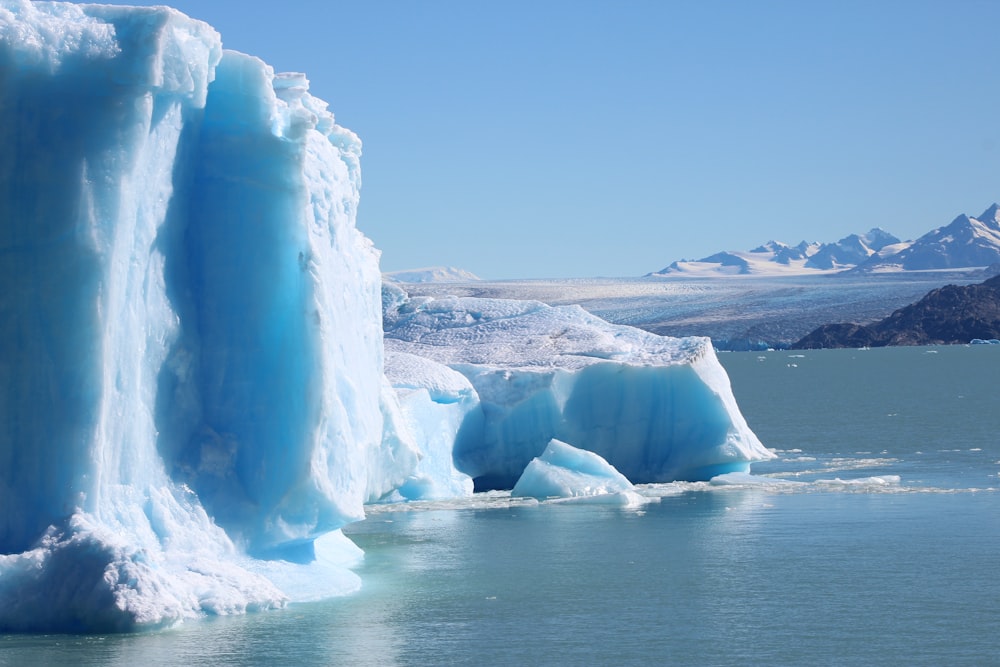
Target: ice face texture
[[657, 409], [189, 325], [436, 402]]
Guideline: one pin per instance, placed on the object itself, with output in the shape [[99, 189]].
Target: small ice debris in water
[[563, 471], [881, 480], [747, 479]]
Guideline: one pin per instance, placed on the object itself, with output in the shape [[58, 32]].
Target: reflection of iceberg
[[190, 322], [657, 409]]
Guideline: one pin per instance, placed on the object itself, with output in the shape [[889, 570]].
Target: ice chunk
[[436, 401], [563, 471], [746, 479], [657, 409]]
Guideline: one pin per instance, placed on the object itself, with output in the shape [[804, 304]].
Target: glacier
[[203, 377]]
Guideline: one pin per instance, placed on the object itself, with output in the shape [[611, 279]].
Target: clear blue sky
[[569, 138]]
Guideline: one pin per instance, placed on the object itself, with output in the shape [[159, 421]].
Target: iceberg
[[563, 471], [191, 359], [202, 378], [657, 409], [435, 402]]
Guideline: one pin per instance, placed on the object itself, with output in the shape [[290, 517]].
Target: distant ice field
[[737, 312]]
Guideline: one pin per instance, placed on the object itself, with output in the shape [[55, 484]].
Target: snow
[[777, 259], [657, 409], [434, 274], [747, 312], [964, 243], [190, 343]]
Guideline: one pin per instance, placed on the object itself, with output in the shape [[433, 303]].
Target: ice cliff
[[189, 322], [657, 409], [193, 393]]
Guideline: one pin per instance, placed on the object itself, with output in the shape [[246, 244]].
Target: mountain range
[[966, 242], [433, 274]]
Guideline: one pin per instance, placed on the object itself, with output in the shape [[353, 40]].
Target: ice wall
[[436, 401], [189, 325], [657, 409]]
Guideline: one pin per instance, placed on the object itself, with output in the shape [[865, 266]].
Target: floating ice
[[657, 409], [190, 341], [436, 401], [746, 479], [563, 471], [876, 481]]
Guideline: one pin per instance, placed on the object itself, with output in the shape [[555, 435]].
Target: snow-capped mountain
[[965, 242], [434, 274], [777, 258], [852, 249]]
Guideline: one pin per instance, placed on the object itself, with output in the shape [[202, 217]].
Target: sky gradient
[[561, 139]]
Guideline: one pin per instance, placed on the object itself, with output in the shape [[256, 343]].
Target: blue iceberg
[[435, 402], [565, 472], [657, 409], [190, 341], [195, 390]]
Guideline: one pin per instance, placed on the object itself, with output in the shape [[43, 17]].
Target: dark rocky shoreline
[[951, 314]]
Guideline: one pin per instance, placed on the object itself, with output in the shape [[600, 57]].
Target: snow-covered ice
[[433, 274], [657, 409]]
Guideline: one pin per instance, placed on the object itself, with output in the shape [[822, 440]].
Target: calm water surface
[[886, 552]]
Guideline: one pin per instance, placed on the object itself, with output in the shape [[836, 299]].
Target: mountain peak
[[877, 238], [991, 216], [964, 243], [432, 274]]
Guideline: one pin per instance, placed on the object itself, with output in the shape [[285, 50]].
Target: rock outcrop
[[947, 315]]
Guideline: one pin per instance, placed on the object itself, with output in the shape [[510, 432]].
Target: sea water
[[873, 539]]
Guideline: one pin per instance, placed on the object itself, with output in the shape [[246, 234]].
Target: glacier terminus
[[203, 379]]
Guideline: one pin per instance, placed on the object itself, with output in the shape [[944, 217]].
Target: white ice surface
[[656, 408]]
